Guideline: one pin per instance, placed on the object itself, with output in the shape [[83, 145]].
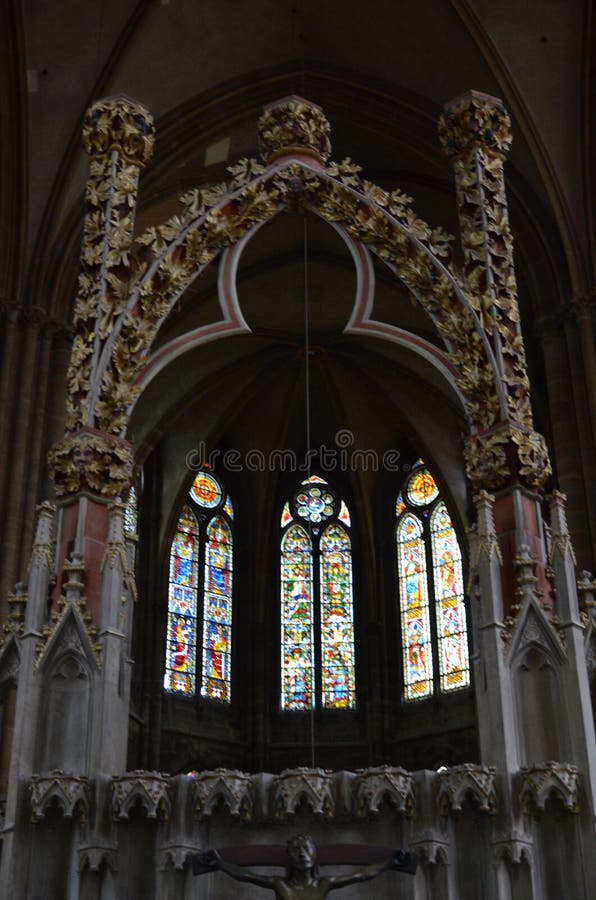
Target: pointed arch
[[431, 590], [181, 634], [297, 617], [217, 611], [414, 603], [338, 687], [450, 610]]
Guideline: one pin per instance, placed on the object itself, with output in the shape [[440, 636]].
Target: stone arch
[[538, 706], [67, 698], [128, 287], [386, 227]]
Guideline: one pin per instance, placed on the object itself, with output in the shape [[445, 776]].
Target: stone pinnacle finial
[[294, 125], [119, 123], [475, 120]]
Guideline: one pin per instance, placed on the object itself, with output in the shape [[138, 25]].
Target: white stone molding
[[229, 786], [375, 785], [535, 784], [69, 792], [150, 789], [313, 786], [468, 779]]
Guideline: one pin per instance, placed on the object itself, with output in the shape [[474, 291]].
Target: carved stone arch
[[67, 668], [195, 240], [533, 630], [536, 658], [69, 635], [359, 323]]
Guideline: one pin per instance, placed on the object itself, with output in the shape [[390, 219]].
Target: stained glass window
[[286, 515], [206, 491], [417, 655], [429, 564], [297, 690], [314, 503], [422, 488], [317, 601], [217, 611], [344, 515], [201, 574], [337, 627], [182, 606], [454, 665]]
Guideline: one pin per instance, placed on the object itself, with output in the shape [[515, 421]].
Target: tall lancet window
[[200, 590], [317, 616], [431, 591]]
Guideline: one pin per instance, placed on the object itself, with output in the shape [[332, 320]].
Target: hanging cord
[[308, 454]]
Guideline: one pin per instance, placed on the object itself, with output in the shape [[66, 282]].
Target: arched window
[[431, 591], [200, 588], [317, 619]]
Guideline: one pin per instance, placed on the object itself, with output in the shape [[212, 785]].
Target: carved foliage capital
[[91, 461], [475, 120], [493, 459], [294, 125], [121, 124]]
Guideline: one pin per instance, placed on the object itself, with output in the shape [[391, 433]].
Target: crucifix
[[301, 859]]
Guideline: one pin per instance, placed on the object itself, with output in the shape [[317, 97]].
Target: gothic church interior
[[297, 396]]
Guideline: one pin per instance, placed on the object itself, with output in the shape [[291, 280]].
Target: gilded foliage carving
[[89, 461], [475, 132], [294, 124], [127, 289]]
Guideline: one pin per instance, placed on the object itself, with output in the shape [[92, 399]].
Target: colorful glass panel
[[415, 622], [217, 612], [337, 619], [344, 514], [454, 664], [180, 669], [314, 504], [229, 509], [297, 650], [422, 488], [206, 491], [286, 515], [314, 479], [399, 505]]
